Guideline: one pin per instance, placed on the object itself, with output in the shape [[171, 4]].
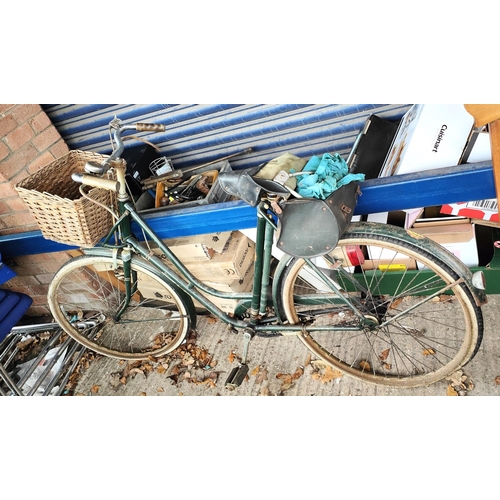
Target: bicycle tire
[[418, 348], [86, 293]]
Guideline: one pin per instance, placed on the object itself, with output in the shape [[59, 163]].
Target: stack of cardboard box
[[223, 261]]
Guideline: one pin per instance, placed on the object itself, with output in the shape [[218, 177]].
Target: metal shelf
[[468, 182]]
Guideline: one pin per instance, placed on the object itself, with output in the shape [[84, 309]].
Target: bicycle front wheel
[[384, 310], [87, 293]]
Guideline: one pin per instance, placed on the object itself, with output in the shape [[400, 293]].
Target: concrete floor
[[279, 366]]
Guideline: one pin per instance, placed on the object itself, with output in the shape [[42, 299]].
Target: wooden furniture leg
[[495, 152], [489, 114]]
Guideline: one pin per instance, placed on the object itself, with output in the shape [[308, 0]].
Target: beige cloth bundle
[[285, 162]]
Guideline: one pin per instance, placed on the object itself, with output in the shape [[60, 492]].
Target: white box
[[429, 136]]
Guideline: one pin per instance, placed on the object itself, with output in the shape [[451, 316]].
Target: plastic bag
[[39, 371]]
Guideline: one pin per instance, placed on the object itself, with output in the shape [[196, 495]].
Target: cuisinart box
[[429, 136]]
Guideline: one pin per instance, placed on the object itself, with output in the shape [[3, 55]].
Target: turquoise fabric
[[330, 172]]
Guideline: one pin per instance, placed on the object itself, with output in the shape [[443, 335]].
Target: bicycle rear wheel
[[88, 291], [416, 322]]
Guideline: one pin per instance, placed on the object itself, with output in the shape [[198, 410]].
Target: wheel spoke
[[407, 334], [92, 289]]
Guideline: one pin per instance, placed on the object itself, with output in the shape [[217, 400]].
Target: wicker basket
[[62, 213]]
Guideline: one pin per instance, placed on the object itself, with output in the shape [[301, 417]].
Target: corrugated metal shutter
[[198, 133]]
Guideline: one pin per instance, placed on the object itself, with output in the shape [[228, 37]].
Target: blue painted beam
[[456, 184], [461, 183]]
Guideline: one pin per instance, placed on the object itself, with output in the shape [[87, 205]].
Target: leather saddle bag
[[309, 227]]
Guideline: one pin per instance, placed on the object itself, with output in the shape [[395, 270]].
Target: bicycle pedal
[[237, 376]]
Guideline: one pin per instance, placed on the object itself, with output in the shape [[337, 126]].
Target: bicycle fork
[[126, 256]]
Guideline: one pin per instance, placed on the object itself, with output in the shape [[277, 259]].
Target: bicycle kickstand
[[238, 373]]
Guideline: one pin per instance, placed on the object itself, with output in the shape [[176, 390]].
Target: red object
[[355, 255], [473, 212]]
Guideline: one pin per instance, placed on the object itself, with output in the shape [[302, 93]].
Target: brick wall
[[28, 141]]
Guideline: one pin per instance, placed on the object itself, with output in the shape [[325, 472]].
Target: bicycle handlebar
[[100, 169], [150, 127], [117, 137], [99, 182]]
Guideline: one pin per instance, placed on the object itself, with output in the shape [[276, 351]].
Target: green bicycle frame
[[255, 303]]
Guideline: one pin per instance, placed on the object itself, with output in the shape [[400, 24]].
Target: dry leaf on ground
[[384, 355], [25, 343], [331, 374], [459, 383], [319, 364], [114, 380], [364, 365], [286, 380], [262, 376], [135, 371]]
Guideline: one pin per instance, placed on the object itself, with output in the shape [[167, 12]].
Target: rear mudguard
[[139, 261], [429, 246], [400, 234]]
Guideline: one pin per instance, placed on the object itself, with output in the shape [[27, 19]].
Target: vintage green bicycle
[[342, 292]]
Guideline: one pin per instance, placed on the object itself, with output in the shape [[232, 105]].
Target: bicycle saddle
[[248, 188]]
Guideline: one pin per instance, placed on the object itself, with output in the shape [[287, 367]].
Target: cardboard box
[[189, 249], [429, 136], [486, 210], [400, 218], [231, 270], [196, 248], [216, 241], [379, 257], [398, 263], [384, 258], [232, 263], [455, 234], [234, 285]]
